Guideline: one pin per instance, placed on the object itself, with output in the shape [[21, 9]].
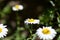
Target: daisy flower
[[17, 7], [31, 21], [3, 30], [46, 33]]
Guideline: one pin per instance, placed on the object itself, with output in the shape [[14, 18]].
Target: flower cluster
[[45, 33]]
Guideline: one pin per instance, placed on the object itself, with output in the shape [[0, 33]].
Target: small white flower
[[31, 21], [46, 33], [17, 7], [3, 30]]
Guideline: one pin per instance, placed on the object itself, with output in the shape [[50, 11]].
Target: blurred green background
[[39, 9]]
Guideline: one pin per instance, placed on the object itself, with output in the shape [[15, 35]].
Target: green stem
[[17, 24], [31, 30], [34, 36], [17, 34]]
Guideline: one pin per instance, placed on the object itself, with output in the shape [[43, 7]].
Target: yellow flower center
[[31, 20], [17, 6], [0, 30], [46, 31]]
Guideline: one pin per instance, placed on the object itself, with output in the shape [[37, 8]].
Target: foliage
[[20, 31]]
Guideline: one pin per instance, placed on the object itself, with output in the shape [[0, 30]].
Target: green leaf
[[6, 9], [23, 35], [58, 19], [58, 38], [34, 36], [58, 30]]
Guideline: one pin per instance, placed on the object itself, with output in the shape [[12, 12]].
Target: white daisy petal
[[20, 7], [1, 24], [5, 26], [5, 29], [13, 8]]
